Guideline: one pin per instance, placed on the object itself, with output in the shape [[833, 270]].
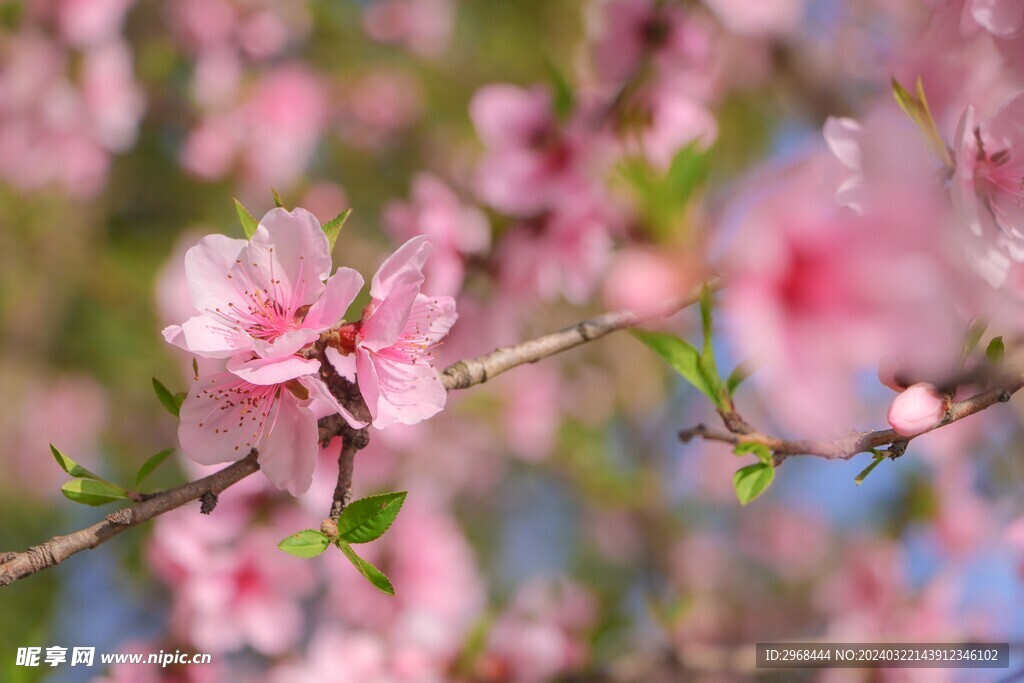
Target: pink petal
[[394, 289], [217, 423], [268, 371], [207, 266], [343, 365], [1001, 18], [400, 392], [286, 344], [843, 136], [507, 115], [288, 258], [430, 319], [339, 293], [319, 392], [207, 336], [289, 447]]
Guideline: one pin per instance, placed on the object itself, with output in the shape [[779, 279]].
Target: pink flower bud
[[917, 410]]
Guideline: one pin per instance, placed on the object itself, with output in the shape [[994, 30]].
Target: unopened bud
[[918, 409]]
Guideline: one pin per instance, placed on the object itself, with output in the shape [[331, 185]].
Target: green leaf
[[995, 351], [973, 336], [332, 228], [277, 199], [72, 467], [172, 402], [707, 352], [367, 519], [372, 574], [150, 465], [92, 492], [762, 451], [879, 457], [916, 107], [752, 480], [683, 357], [563, 100], [249, 224], [736, 377], [308, 543]]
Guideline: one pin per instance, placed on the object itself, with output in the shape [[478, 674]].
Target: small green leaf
[[995, 351], [150, 465], [707, 352], [563, 100], [72, 467], [878, 458], [92, 492], [172, 402], [277, 199], [367, 519], [249, 224], [736, 377], [752, 480], [973, 336], [308, 543], [916, 107], [684, 358], [762, 451], [372, 574], [332, 228]]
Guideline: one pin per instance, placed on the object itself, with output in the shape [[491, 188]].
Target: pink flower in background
[[817, 292], [265, 295], [423, 26], [917, 410], [561, 254], [85, 23], [758, 17], [987, 186], [646, 279], [455, 230], [377, 106], [271, 135], [396, 341], [55, 130], [532, 162], [230, 591], [672, 120], [257, 29], [633, 31], [1001, 18]]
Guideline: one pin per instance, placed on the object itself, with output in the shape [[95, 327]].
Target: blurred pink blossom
[[630, 32], [562, 254], [230, 591], [376, 106], [541, 636], [759, 16], [271, 135], [672, 121], [456, 230], [646, 279], [532, 162], [423, 26]]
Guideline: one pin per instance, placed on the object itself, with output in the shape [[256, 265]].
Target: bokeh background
[[565, 158]]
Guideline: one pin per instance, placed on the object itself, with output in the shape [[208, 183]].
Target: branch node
[[329, 528], [208, 501], [122, 517], [7, 557], [1004, 396], [898, 448]]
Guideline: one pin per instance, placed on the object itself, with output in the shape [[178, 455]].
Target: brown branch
[[858, 442], [460, 375], [59, 548]]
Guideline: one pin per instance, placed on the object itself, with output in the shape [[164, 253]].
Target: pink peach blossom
[[396, 339], [986, 188], [424, 26], [674, 120], [917, 409], [758, 17], [532, 163], [455, 229], [266, 295]]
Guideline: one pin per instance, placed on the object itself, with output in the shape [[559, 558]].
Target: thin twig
[[858, 442]]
